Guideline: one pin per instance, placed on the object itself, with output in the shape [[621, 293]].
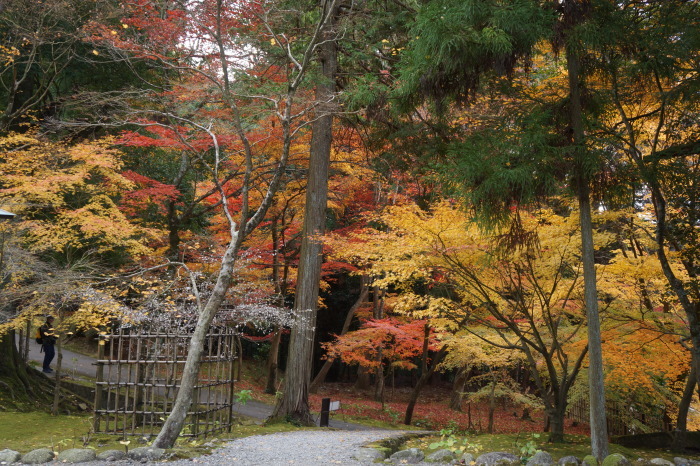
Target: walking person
[[48, 340]]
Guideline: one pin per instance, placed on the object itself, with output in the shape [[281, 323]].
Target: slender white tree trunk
[[176, 420]]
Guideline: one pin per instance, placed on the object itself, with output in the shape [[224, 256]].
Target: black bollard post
[[325, 412]]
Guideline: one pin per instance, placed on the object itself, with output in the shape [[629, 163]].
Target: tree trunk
[[57, 375], [190, 373], [492, 406], [458, 388], [556, 423], [426, 373], [379, 379], [294, 403], [272, 361], [378, 313], [362, 382], [24, 345], [280, 282], [680, 432], [419, 386], [13, 371], [321, 376], [599, 436]]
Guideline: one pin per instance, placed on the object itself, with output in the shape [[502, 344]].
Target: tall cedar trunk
[[599, 436], [680, 432], [458, 388], [294, 403], [321, 376], [426, 373]]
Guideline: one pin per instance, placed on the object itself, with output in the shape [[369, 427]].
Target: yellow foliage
[[484, 293], [66, 195]]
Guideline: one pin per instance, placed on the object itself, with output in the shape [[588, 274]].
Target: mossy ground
[[25, 431], [575, 445]]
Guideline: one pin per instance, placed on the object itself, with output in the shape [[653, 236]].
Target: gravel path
[[303, 448], [320, 447], [296, 448]]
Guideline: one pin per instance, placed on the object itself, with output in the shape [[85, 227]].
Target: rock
[[369, 455], [643, 462], [569, 461], [661, 462], [410, 456], [678, 461], [541, 458], [111, 455], [467, 458], [616, 459], [498, 458], [76, 455], [9, 456], [146, 454], [42, 455], [590, 460], [440, 456]]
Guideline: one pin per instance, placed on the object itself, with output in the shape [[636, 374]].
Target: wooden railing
[[624, 419]]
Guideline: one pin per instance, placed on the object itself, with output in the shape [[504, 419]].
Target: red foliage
[[148, 193], [399, 341], [433, 412], [177, 137]]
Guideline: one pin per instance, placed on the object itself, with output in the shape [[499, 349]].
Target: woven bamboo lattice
[[139, 373]]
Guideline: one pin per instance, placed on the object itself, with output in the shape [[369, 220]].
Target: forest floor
[[357, 406], [23, 431], [432, 411]]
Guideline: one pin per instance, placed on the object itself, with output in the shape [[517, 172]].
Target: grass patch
[[372, 422], [26, 431], [30, 430]]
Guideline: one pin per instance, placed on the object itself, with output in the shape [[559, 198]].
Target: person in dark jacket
[[48, 340]]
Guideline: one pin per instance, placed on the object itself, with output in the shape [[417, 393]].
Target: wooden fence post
[[99, 378]]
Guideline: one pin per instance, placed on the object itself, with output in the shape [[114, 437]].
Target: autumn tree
[[68, 198], [70, 229], [45, 61], [523, 300], [651, 124], [443, 65], [246, 71]]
